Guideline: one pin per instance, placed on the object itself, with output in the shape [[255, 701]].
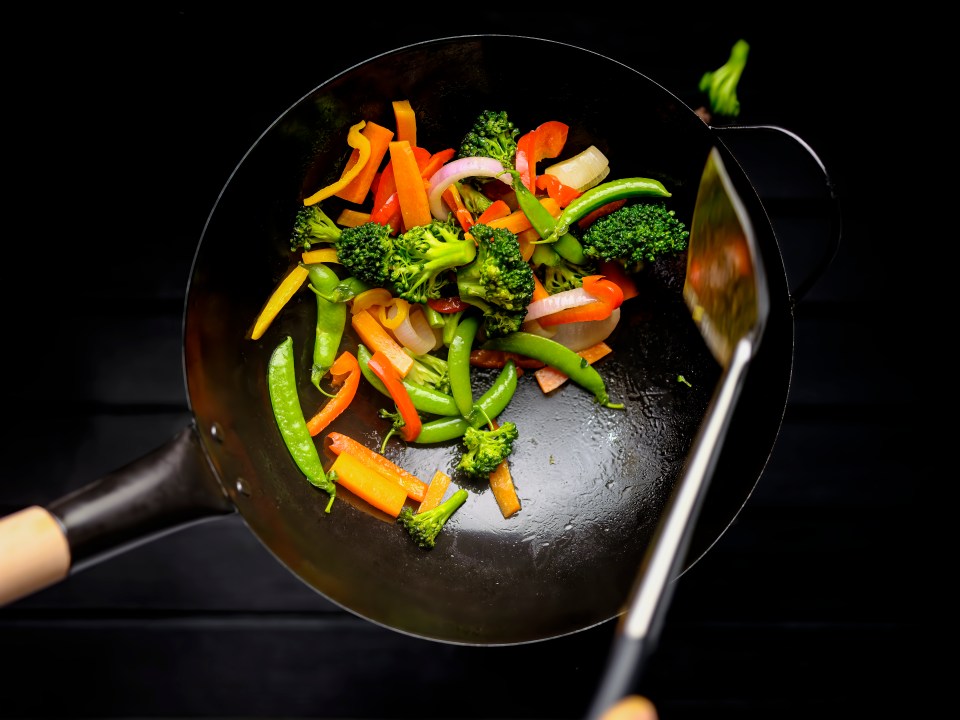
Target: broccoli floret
[[492, 135], [431, 371], [721, 84], [498, 281], [365, 250], [424, 527], [486, 449], [422, 256], [312, 225], [474, 200], [635, 234]]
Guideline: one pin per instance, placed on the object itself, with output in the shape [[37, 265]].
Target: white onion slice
[[458, 170], [535, 328], [579, 171], [572, 298], [580, 335], [415, 333]]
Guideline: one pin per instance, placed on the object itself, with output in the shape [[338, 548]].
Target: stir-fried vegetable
[[441, 270]]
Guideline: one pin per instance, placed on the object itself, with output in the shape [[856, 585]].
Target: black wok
[[592, 481]]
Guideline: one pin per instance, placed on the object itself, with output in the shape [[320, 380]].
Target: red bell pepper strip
[[451, 196], [614, 272], [448, 304], [563, 194], [498, 209], [546, 141], [587, 220], [345, 372], [384, 370], [609, 297]]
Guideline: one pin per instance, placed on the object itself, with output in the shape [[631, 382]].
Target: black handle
[[171, 487], [747, 144]]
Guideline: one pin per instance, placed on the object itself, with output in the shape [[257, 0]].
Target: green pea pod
[[458, 363], [599, 195], [425, 399], [558, 356], [493, 402], [282, 387], [544, 223], [331, 321]]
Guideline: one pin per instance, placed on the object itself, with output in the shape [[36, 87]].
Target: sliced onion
[[535, 328], [572, 298], [458, 170], [415, 333], [580, 335], [596, 181], [586, 167]]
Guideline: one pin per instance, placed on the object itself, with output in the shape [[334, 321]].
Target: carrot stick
[[539, 291], [345, 371], [375, 337], [435, 491], [281, 295], [406, 121], [340, 444], [367, 484], [526, 240], [451, 196], [549, 378], [504, 491], [414, 205], [356, 190]]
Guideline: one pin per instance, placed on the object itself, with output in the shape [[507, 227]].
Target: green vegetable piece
[[492, 135], [721, 84], [565, 244], [636, 234], [312, 225], [330, 323], [486, 449], [558, 356], [458, 360], [599, 195], [424, 527], [425, 399], [282, 388]]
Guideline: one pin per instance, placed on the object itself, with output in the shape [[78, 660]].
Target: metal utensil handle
[[641, 624]]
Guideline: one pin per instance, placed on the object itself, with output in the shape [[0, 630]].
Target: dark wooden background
[[123, 126]]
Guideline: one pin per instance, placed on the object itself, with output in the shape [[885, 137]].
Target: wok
[[592, 480]]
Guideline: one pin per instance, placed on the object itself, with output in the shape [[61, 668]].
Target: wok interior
[[592, 480]]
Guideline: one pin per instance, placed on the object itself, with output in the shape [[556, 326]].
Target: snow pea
[[458, 363], [558, 356], [604, 193], [282, 388], [545, 224], [425, 399], [331, 320], [493, 402]]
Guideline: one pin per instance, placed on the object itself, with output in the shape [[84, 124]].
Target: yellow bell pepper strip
[[369, 485], [609, 297], [549, 378], [344, 372], [401, 311], [374, 336], [281, 295], [326, 255], [352, 218], [355, 139], [384, 369], [370, 298], [406, 120], [285, 402], [356, 190], [340, 444], [414, 203]]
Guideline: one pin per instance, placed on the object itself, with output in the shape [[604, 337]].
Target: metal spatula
[[726, 291]]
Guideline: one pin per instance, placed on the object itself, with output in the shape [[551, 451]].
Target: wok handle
[[640, 625], [166, 490], [822, 260]]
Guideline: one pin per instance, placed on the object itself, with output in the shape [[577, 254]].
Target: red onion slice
[[459, 170]]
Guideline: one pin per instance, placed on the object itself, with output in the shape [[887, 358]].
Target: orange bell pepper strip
[[414, 205], [356, 190], [495, 211], [435, 491], [369, 485], [609, 297], [355, 139], [383, 369], [344, 372], [563, 194]]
